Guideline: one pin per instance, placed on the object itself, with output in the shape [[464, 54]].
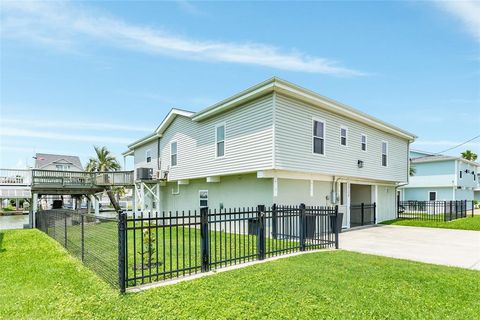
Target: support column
[[142, 195], [34, 209], [348, 186]]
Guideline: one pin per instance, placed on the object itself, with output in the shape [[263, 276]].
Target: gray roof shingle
[[44, 159]]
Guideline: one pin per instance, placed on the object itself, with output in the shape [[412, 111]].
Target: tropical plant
[[102, 162], [469, 155], [412, 171]]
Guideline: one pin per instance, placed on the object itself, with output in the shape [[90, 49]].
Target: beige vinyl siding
[[140, 160], [293, 144], [248, 142]]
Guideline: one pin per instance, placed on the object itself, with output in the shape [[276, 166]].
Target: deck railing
[[16, 177], [45, 178]]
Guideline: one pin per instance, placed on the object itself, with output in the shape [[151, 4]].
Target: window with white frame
[[384, 153], [62, 167], [203, 197], [461, 174], [363, 141], [220, 140], [173, 153], [432, 196], [343, 136], [148, 155], [318, 137]]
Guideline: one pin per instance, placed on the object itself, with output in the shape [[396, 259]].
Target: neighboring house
[[272, 143], [58, 162], [441, 177]]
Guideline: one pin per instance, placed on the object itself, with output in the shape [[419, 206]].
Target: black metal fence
[[90, 238], [363, 214], [160, 246], [131, 250], [434, 210]]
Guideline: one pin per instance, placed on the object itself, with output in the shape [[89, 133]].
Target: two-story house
[[441, 177], [272, 143], [46, 161]]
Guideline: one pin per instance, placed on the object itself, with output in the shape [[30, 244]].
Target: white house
[[442, 177], [272, 143]]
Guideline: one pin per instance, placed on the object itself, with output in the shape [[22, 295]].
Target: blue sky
[[78, 74]]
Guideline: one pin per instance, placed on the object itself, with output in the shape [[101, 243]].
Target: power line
[[459, 145]]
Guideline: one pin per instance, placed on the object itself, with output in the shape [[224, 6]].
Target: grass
[[468, 223], [178, 249], [40, 280]]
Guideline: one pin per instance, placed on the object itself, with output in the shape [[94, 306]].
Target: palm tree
[[469, 155], [412, 171], [102, 162]]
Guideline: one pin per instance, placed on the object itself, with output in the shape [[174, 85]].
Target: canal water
[[13, 222]]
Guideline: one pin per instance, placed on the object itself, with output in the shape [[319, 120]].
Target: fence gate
[[363, 214]]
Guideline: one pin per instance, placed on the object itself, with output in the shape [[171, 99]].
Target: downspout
[[158, 154]]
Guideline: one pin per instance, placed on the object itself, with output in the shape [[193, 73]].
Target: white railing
[[18, 177]]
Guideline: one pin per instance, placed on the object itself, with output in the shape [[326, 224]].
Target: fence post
[[204, 239], [122, 226], [374, 213], [274, 221], [261, 232], [337, 226], [363, 213], [65, 225], [450, 210], [473, 208], [456, 209], [444, 210], [302, 226], [82, 235]]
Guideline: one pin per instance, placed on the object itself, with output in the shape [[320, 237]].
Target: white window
[[203, 197], [220, 140], [62, 167], [148, 155], [432, 196], [363, 142], [343, 136], [173, 153], [384, 153], [318, 137]]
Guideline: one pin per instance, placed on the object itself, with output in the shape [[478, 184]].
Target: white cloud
[[467, 11], [97, 139], [72, 125], [59, 24]]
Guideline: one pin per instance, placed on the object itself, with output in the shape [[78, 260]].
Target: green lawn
[[40, 280], [469, 223]]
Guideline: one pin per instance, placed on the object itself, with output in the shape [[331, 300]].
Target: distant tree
[[469, 155], [413, 170], [104, 161]]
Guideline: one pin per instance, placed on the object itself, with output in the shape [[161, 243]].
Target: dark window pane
[[364, 147], [174, 159], [220, 149], [220, 133], [384, 160], [318, 129], [344, 141], [318, 145], [149, 159], [433, 196]]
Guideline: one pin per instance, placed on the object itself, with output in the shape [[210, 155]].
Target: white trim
[[275, 187], [428, 195], [170, 117], [176, 192], [218, 125], [346, 136], [386, 154], [361, 142], [171, 154], [274, 118], [312, 138], [311, 188]]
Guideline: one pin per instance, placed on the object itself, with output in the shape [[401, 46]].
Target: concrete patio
[[459, 248]]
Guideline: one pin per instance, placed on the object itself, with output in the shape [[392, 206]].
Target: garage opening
[[362, 208]]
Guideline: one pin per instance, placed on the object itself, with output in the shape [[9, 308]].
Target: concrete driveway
[[459, 248]]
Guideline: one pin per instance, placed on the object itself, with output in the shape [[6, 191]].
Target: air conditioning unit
[[144, 173]]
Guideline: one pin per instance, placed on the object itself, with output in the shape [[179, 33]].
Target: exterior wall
[[467, 179], [232, 191], [296, 191], [386, 203], [464, 194], [293, 144], [421, 194], [140, 160], [248, 142], [360, 193], [52, 166], [433, 174]]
